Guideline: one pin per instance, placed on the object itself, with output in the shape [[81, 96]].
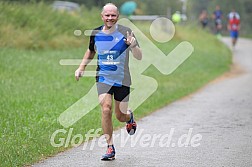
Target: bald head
[[109, 15], [109, 7]]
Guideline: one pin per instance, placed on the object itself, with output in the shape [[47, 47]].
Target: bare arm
[[239, 26], [131, 41], [137, 52], [228, 27], [88, 56]]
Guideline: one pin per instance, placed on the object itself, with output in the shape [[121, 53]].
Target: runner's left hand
[[131, 40]]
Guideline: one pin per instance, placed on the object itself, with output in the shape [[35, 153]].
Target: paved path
[[215, 124]]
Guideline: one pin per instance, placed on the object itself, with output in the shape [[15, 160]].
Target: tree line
[[167, 7]]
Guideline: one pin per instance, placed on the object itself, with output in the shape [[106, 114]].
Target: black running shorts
[[119, 93]]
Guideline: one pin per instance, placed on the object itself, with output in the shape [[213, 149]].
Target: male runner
[[217, 16], [203, 18], [234, 27], [112, 42]]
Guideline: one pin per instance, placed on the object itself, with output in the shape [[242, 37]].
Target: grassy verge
[[38, 26], [35, 89]]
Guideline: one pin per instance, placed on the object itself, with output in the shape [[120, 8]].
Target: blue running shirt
[[218, 14], [113, 56]]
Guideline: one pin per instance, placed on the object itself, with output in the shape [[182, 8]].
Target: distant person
[[218, 16], [176, 17], [234, 27], [203, 18]]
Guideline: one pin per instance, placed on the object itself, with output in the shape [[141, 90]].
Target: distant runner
[[218, 16], [203, 18], [234, 27]]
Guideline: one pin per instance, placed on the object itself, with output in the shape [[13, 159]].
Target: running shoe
[[110, 154], [131, 125]]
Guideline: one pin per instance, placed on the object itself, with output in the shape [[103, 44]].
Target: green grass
[[35, 89], [38, 26]]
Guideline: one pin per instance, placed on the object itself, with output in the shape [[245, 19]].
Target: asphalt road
[[212, 127]]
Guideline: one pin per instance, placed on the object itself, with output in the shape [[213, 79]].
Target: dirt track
[[212, 127]]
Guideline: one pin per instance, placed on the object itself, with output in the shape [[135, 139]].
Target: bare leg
[[121, 111], [234, 41], [106, 107]]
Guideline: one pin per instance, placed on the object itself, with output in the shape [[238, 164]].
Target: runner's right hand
[[78, 73]]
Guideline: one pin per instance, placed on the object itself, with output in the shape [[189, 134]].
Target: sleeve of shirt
[[92, 42], [92, 38]]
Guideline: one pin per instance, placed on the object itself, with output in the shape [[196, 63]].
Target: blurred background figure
[[203, 18], [218, 16], [234, 27], [176, 17], [128, 8], [232, 14]]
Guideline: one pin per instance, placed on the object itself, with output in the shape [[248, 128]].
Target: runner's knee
[[106, 109]]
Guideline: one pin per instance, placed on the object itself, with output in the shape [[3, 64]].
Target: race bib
[[109, 57], [234, 26]]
